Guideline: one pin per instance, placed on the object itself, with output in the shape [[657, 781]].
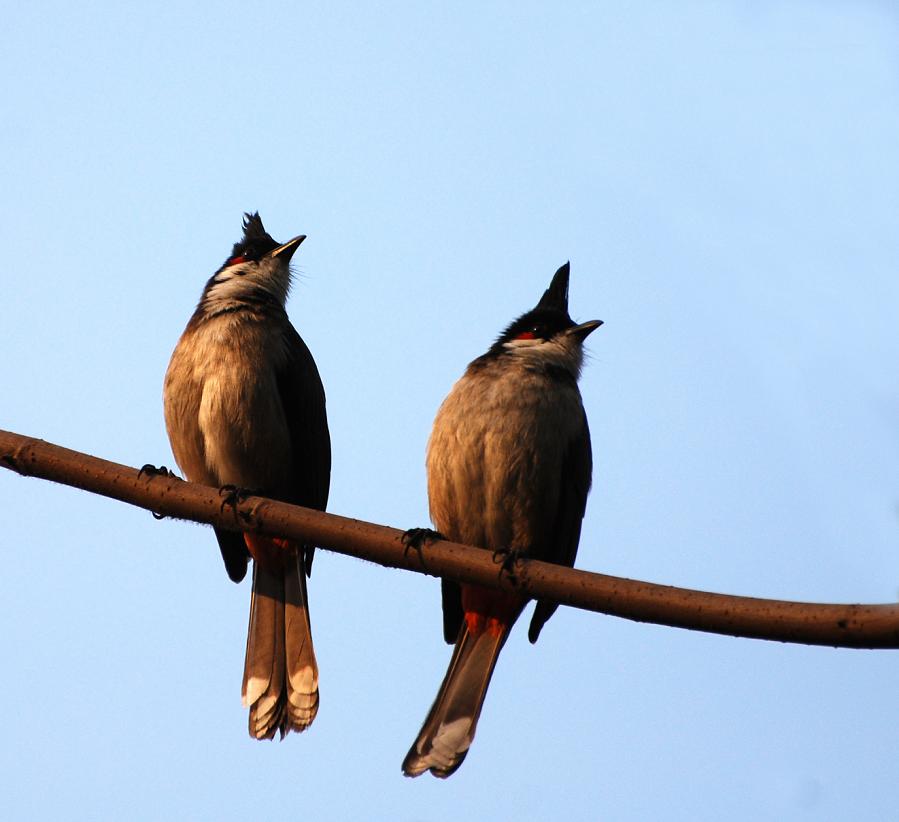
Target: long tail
[[450, 726], [280, 682]]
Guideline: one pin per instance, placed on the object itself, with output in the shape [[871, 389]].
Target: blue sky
[[724, 178]]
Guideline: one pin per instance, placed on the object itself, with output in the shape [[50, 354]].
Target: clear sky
[[724, 178]]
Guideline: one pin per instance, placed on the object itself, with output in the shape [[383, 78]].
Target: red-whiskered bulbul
[[509, 468], [245, 407]]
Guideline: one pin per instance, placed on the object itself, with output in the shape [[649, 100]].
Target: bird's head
[[257, 263], [546, 335]]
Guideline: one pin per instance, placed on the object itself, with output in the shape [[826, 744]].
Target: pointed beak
[[286, 250], [581, 331]]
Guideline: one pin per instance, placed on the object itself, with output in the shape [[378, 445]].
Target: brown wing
[[574, 485], [303, 399], [451, 594], [234, 553]]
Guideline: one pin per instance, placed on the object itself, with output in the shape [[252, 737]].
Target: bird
[[509, 467], [245, 410]]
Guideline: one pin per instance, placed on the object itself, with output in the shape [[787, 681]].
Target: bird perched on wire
[[245, 408], [509, 467]]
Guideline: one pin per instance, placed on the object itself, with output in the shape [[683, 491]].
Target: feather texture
[[509, 468], [245, 406]]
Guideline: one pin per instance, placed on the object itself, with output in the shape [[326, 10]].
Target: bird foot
[[233, 496], [417, 538], [152, 471], [506, 559]]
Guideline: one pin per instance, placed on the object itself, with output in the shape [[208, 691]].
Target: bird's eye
[[531, 334], [237, 260]]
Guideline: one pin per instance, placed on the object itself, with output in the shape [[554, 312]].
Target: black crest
[[556, 296], [546, 319], [253, 228], [256, 241]]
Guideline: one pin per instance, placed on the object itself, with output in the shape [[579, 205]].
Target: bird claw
[[506, 559], [233, 496], [152, 471], [417, 538]]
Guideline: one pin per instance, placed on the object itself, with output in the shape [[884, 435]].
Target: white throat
[[235, 283], [563, 351]]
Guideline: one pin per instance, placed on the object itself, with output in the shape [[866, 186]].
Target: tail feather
[[263, 628], [280, 683], [450, 726], [302, 670]]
